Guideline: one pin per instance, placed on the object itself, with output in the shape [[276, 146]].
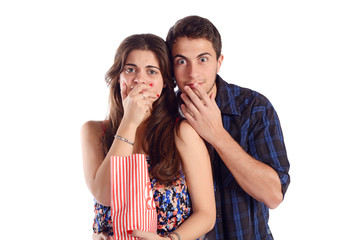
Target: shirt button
[[214, 189], [218, 216]]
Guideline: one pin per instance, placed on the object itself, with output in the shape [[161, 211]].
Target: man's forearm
[[256, 178]]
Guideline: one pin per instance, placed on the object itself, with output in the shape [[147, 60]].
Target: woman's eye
[[152, 72], [129, 70]]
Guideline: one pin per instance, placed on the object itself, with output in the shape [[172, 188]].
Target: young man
[[249, 160]]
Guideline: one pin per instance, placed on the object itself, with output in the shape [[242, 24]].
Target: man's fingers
[[203, 94], [189, 104], [192, 95], [188, 114]]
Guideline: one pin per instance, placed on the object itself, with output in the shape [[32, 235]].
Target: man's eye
[[181, 61], [203, 59]]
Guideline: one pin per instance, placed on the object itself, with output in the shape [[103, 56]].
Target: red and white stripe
[[132, 201]]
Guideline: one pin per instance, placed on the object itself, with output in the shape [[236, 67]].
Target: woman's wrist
[[124, 139], [126, 131], [172, 235], [128, 124]]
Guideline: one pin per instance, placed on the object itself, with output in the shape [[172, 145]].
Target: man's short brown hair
[[195, 27]]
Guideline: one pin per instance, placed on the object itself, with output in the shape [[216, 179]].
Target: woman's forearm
[[102, 181]]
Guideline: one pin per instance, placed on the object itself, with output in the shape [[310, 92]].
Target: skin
[[195, 63], [141, 84], [101, 236], [195, 68]]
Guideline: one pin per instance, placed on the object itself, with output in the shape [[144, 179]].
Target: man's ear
[[219, 62]]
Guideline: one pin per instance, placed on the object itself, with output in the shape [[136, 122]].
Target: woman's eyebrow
[[151, 66], [148, 66]]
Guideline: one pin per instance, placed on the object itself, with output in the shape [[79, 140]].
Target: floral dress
[[172, 203]]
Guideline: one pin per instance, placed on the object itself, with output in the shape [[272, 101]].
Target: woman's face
[[142, 67]]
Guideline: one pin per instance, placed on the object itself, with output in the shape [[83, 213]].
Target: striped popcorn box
[[132, 201]]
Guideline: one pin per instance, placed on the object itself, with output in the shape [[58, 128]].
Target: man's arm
[[258, 179]]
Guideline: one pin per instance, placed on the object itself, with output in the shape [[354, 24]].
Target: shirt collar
[[226, 96]]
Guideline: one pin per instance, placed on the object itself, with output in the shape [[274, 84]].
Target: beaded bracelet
[[124, 139]]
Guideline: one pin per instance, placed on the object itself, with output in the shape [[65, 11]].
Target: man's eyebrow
[[200, 55], [180, 56], [203, 54]]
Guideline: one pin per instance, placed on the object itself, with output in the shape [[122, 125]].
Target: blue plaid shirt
[[252, 122]]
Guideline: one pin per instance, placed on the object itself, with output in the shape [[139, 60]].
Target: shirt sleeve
[[266, 141]]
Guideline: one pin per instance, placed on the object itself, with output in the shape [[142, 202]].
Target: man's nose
[[193, 71]]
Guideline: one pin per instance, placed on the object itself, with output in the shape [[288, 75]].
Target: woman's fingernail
[[129, 231], [151, 84], [157, 95]]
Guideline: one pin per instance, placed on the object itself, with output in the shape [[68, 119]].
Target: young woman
[[143, 118]]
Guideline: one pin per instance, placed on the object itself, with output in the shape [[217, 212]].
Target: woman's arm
[[197, 168], [96, 164]]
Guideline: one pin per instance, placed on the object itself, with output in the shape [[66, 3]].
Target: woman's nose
[[140, 78]]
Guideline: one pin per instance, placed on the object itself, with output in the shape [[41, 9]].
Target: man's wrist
[[219, 137]]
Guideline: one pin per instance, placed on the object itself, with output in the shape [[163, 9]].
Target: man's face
[[195, 62]]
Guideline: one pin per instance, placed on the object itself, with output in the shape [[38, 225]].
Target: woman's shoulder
[[186, 134], [190, 146], [186, 129], [93, 128]]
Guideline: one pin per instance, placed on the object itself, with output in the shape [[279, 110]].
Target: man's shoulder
[[241, 95]]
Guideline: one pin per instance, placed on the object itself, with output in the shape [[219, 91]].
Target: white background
[[303, 55]]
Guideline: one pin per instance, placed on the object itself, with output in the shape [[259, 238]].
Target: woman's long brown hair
[[159, 129]]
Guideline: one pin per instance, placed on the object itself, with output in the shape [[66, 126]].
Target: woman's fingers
[[123, 90]]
